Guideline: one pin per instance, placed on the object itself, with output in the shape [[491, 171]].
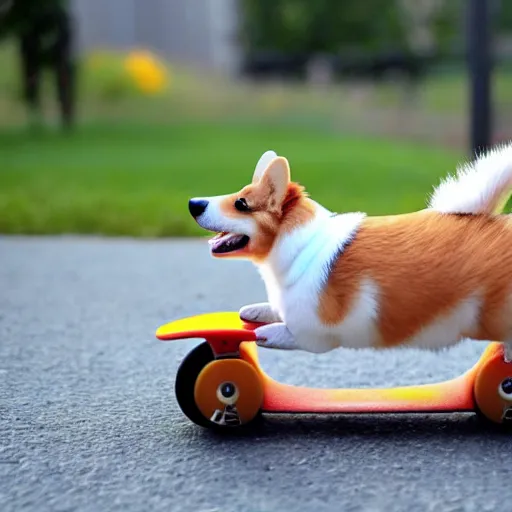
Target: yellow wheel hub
[[229, 392]]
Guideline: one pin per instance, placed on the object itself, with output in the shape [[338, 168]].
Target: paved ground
[[88, 420]]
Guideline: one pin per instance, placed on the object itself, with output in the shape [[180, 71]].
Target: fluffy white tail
[[483, 186]]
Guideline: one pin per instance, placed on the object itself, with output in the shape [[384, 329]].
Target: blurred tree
[[335, 25], [504, 18], [44, 32], [433, 25], [16, 16]]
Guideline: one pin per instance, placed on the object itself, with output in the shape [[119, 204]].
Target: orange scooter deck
[[449, 396]]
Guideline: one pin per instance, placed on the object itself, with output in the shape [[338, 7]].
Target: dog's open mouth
[[227, 242]]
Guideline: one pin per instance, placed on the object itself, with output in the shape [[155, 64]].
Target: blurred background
[[113, 113]]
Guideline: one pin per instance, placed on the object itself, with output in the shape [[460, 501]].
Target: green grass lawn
[[131, 179]]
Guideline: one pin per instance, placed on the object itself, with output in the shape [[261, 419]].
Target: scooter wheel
[[218, 394], [493, 390], [188, 371], [229, 393]]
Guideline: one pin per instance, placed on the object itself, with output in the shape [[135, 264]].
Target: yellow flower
[[149, 74]]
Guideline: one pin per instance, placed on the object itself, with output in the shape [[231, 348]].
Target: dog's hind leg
[[260, 312]]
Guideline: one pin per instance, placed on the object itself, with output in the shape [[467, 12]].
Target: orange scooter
[[220, 383]]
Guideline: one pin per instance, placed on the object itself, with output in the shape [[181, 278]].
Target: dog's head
[[248, 222]]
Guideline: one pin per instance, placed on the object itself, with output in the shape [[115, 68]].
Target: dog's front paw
[[260, 312], [275, 335]]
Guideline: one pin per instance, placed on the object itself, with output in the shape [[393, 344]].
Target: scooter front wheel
[[229, 392], [186, 377], [218, 393]]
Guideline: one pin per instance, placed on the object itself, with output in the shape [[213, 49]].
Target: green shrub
[[110, 75]]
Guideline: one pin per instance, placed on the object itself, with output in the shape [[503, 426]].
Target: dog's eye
[[241, 205]]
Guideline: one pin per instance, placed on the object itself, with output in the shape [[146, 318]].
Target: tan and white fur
[[426, 279]]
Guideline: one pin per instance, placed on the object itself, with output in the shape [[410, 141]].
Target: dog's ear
[[276, 179], [262, 165]]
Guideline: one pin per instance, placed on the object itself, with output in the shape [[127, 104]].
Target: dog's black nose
[[197, 206]]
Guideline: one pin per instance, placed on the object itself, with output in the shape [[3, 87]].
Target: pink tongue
[[226, 243], [216, 243]]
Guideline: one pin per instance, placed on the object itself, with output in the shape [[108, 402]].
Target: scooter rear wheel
[[493, 390]]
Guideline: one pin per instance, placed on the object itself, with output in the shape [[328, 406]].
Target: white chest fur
[[296, 272]]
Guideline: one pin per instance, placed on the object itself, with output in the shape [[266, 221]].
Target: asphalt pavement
[[89, 422]]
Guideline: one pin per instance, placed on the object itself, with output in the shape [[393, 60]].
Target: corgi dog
[[426, 279]]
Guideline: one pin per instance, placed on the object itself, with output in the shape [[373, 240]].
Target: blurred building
[[197, 32], [206, 33]]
